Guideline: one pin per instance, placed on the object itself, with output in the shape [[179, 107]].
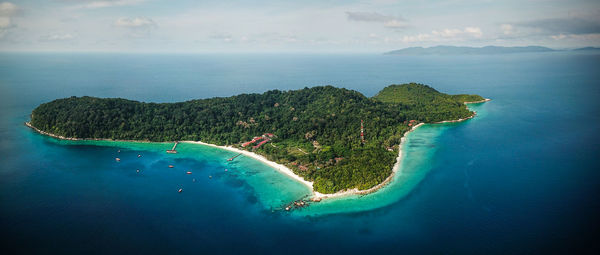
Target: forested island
[[315, 131], [487, 50], [457, 50]]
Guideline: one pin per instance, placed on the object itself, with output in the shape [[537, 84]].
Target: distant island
[[487, 50], [588, 49], [336, 139]]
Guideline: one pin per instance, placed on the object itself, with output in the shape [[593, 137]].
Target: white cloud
[[135, 22], [57, 37], [222, 37], [473, 31], [395, 24], [5, 22], [8, 9], [417, 38], [448, 34], [295, 25], [576, 37], [7, 12], [507, 29], [108, 3], [388, 21], [370, 17], [136, 27]]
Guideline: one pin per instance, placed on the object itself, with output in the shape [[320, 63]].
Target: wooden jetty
[[231, 159], [174, 147]]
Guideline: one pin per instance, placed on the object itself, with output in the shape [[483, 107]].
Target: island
[[335, 140], [442, 50], [463, 50]]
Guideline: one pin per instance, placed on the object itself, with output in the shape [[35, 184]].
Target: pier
[[231, 159], [298, 204], [174, 147]]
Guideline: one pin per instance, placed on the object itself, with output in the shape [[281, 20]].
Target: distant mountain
[[587, 49], [456, 50]]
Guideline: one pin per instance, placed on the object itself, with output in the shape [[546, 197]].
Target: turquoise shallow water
[[269, 187], [519, 178], [417, 160]]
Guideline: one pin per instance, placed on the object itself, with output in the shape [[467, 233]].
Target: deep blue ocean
[[522, 177]]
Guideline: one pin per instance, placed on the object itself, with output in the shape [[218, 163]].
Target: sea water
[[520, 177]]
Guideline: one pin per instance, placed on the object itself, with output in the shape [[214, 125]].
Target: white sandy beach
[[356, 191], [481, 101], [285, 170], [291, 174], [253, 155]]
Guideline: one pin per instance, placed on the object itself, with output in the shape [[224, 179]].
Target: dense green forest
[[426, 103], [316, 130]]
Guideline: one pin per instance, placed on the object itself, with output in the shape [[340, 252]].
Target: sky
[[292, 26]]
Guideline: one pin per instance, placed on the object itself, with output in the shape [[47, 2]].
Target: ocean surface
[[521, 177]]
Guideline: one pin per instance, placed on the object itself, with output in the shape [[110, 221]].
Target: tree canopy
[[316, 130]]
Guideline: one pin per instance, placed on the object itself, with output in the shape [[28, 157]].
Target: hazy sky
[[297, 26]]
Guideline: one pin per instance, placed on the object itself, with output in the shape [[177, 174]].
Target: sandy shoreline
[[480, 101], [285, 170], [387, 180], [463, 119], [279, 167]]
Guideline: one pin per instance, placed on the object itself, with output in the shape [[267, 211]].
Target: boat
[[180, 190], [188, 172], [117, 159], [137, 170], [171, 166], [139, 155]]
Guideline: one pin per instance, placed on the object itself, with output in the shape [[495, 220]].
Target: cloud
[[576, 26], [8, 9], [222, 37], [136, 27], [7, 12], [108, 3], [395, 24], [473, 31], [392, 22], [370, 17], [448, 34], [270, 37], [57, 37], [451, 33], [507, 29], [136, 22], [589, 37]]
